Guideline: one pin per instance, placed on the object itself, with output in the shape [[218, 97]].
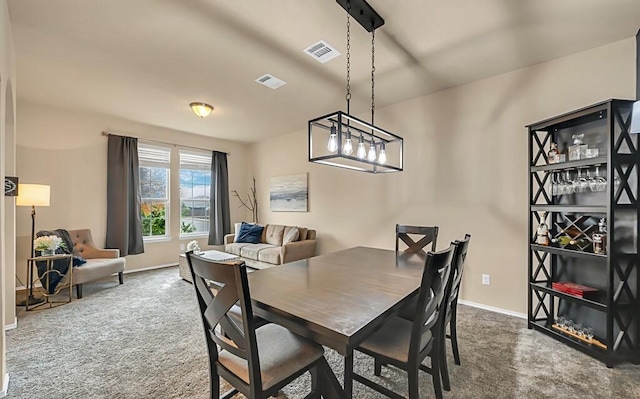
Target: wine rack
[[572, 218]]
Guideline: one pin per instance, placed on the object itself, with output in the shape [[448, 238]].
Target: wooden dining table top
[[339, 298]]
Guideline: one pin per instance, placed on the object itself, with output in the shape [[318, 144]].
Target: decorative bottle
[[553, 154], [578, 150], [600, 238], [542, 232]]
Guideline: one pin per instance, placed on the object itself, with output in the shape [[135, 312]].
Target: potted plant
[[47, 245]]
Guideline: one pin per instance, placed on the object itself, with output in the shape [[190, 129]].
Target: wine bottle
[[552, 155], [566, 240], [542, 232], [600, 238]]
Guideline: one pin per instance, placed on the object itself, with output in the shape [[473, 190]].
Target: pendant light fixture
[[378, 150]]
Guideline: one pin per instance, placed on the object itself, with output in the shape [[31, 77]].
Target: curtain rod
[[166, 143]]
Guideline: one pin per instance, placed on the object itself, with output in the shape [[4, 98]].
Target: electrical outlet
[[486, 279], [182, 247]]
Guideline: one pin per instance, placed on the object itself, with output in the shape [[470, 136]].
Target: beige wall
[[465, 168], [66, 150], [7, 152]]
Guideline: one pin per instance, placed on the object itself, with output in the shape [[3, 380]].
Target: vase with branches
[[251, 203]]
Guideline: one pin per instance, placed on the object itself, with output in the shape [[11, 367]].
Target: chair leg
[[377, 367], [454, 341], [315, 380], [413, 382], [214, 386], [78, 291], [444, 368], [121, 277], [435, 374]]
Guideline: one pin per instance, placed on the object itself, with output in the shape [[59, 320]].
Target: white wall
[[67, 151], [7, 150], [465, 168]]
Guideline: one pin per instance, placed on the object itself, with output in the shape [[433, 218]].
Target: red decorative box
[[578, 290]]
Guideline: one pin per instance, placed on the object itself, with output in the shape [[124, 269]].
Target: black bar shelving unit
[[614, 313]]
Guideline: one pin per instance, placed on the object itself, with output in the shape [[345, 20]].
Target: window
[[195, 189], [154, 189]]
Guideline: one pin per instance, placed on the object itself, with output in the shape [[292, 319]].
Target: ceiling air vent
[[270, 81], [322, 51]]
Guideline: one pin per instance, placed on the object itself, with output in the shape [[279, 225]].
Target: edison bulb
[[332, 145], [347, 149], [382, 158], [372, 153], [362, 152]]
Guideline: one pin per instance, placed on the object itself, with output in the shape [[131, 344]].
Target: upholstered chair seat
[[281, 354], [393, 339]]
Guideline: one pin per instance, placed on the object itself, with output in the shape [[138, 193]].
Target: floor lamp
[[32, 195]]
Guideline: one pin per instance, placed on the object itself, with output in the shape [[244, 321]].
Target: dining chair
[[257, 362], [404, 233], [405, 344], [451, 307]]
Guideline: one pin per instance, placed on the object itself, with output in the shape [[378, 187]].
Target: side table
[[67, 283]]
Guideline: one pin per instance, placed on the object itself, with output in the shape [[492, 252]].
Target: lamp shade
[[33, 195], [201, 109]]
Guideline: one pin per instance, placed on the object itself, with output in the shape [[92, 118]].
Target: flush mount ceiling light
[[201, 109], [331, 137]]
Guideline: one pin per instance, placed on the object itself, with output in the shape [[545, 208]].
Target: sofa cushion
[[303, 233], [270, 255], [291, 234], [250, 233], [251, 251], [234, 248], [97, 268], [274, 234]]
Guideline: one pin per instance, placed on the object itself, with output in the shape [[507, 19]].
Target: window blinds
[[195, 160]]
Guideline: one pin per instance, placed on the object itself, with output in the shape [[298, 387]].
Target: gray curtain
[[124, 227], [219, 214]]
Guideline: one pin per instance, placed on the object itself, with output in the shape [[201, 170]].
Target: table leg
[[348, 374], [29, 284]]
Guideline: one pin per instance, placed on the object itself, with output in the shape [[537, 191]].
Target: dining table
[[340, 298]]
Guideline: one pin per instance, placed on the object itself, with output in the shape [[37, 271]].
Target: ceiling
[[146, 60]]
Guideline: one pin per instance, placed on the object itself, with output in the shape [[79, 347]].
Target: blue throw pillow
[[250, 233], [78, 260]]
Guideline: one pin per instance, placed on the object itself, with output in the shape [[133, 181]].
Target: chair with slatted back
[[257, 362], [450, 317], [405, 344], [404, 233]]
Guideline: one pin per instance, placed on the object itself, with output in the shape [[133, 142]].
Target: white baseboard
[[150, 268], [12, 326], [493, 309], [5, 386]]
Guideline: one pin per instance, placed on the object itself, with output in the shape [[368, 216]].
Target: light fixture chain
[[348, 96], [373, 70]]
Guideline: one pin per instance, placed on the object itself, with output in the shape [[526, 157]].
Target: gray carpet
[[144, 339]]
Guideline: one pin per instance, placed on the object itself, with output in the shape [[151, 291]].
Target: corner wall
[[7, 133], [66, 150], [465, 168]]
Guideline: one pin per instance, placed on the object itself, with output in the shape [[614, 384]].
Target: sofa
[[273, 248], [100, 262]]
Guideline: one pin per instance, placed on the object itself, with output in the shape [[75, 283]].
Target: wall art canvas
[[10, 186], [288, 193]]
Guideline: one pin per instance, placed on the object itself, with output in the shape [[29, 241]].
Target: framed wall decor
[[288, 193], [10, 186]]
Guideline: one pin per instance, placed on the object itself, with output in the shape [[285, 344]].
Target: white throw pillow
[[237, 227], [291, 236]]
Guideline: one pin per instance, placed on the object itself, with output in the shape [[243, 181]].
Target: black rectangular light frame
[[363, 13]]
